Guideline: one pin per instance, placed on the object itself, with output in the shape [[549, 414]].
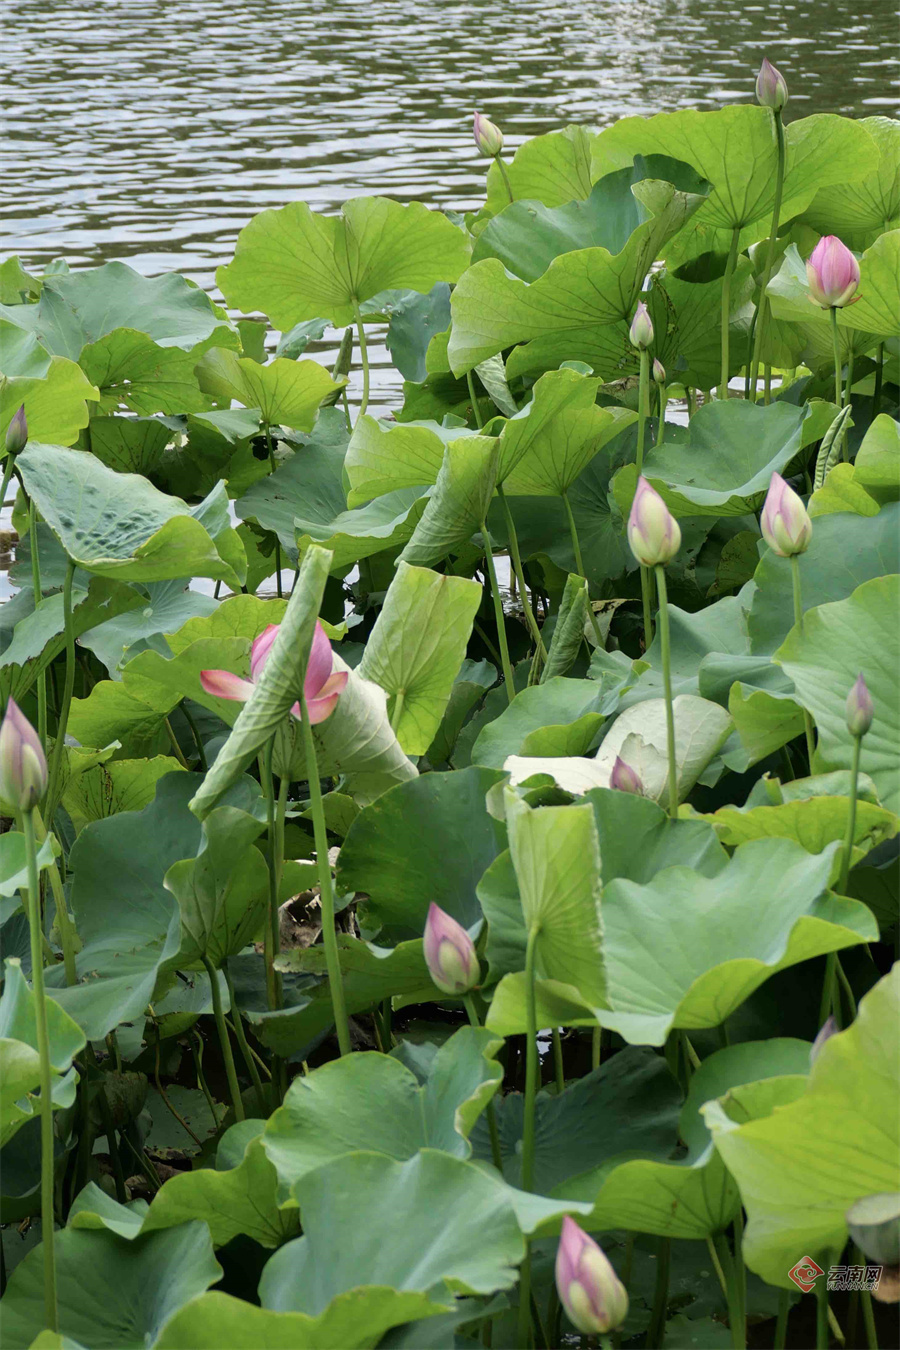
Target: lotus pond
[[394, 957]]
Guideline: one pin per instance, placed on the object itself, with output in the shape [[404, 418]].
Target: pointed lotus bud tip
[[589, 1289], [488, 137], [832, 273], [785, 523], [449, 953], [23, 764], [860, 708], [771, 89], [659, 372], [640, 334], [654, 535], [827, 1030], [17, 432], [625, 779]]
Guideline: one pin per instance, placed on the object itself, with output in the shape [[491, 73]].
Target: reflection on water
[[152, 130]]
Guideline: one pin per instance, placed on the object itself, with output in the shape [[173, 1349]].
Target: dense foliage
[[355, 955]]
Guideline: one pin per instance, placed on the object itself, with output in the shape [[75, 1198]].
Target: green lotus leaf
[[14, 861], [107, 789], [553, 169], [739, 444], [856, 211], [133, 371], [373, 1102], [414, 320], [824, 656], [113, 1294], [473, 681], [417, 646], [796, 1199], [522, 727], [20, 1069], [397, 850], [458, 505], [544, 449], [165, 607], [130, 444], [117, 524], [879, 288], [385, 456], [21, 353], [287, 393], [16, 285], [294, 343], [764, 720], [871, 481], [568, 634], [56, 403], [295, 265], [687, 316]]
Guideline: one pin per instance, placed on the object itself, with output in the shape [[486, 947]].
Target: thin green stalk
[[51, 1318], [717, 1266], [241, 1037], [879, 380], [224, 1040], [173, 741], [498, 614], [64, 925], [496, 1153], [838, 363], [531, 1086], [507, 184], [271, 450], [36, 584], [850, 831], [726, 311], [667, 688], [364, 358], [656, 1331], [68, 687], [197, 1050], [643, 408], [579, 566], [167, 1102], [663, 401], [822, 1329], [784, 1308], [558, 1066], [760, 318], [519, 573], [869, 1319], [798, 621], [329, 936], [596, 1042], [740, 1272], [201, 753], [767, 369], [273, 924], [833, 967], [7, 475], [845, 442], [735, 1313], [397, 713], [476, 411], [691, 401]]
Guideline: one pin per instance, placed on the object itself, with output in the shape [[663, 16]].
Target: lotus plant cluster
[[395, 954]]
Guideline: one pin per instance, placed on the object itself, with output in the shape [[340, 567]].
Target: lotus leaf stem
[[667, 688], [762, 307], [579, 567], [531, 1087], [656, 1331], [38, 595], [68, 688], [364, 358], [241, 1037], [822, 1329], [224, 1040], [201, 753], [496, 1153], [798, 622], [726, 311], [173, 741], [498, 614], [558, 1067], [271, 449], [784, 1308], [879, 380], [596, 1044], [64, 925], [845, 435], [519, 573], [197, 1050]]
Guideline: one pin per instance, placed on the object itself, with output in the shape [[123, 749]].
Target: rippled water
[[152, 130]]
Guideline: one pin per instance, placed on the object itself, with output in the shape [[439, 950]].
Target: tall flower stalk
[[641, 336], [531, 1088], [489, 139], [771, 92], [53, 788]]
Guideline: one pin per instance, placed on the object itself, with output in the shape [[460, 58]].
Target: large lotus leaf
[[108, 789], [628, 1106], [113, 1294], [76, 308], [130, 444], [56, 404], [14, 861], [845, 551], [373, 1102], [879, 288], [417, 646], [543, 714], [553, 169], [825, 654], [734, 148], [796, 1197], [295, 265], [739, 446], [20, 1065], [687, 316], [638, 736], [555, 852], [578, 292], [166, 607], [357, 1320], [686, 951], [386, 523], [803, 322], [369, 1220], [475, 678], [568, 631], [223, 892], [543, 451], [385, 456], [404, 850], [458, 504], [414, 319], [873, 480], [132, 371], [527, 235], [287, 393], [21, 353], [118, 524], [858, 209], [696, 1196]]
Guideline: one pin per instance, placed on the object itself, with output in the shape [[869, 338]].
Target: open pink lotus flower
[[322, 687]]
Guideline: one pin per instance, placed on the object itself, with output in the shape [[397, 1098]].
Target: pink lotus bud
[[827, 1030], [653, 532], [771, 89], [785, 523], [860, 709], [23, 765], [641, 332], [832, 273], [589, 1289], [625, 779], [449, 953], [17, 432], [488, 138], [658, 372]]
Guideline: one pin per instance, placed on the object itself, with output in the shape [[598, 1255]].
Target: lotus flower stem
[[64, 925], [579, 567], [496, 1153], [505, 176], [519, 573], [784, 1308], [364, 358], [726, 310], [7, 475], [869, 1319], [798, 620], [224, 1040], [733, 1292], [845, 443], [326, 891], [762, 308], [68, 689], [197, 1051], [38, 594], [879, 380], [271, 450], [657, 1328], [33, 907], [661, 429], [241, 1037], [531, 1087], [201, 753], [667, 688], [273, 924], [850, 831], [823, 1335], [173, 741], [838, 363], [643, 407], [498, 614]]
